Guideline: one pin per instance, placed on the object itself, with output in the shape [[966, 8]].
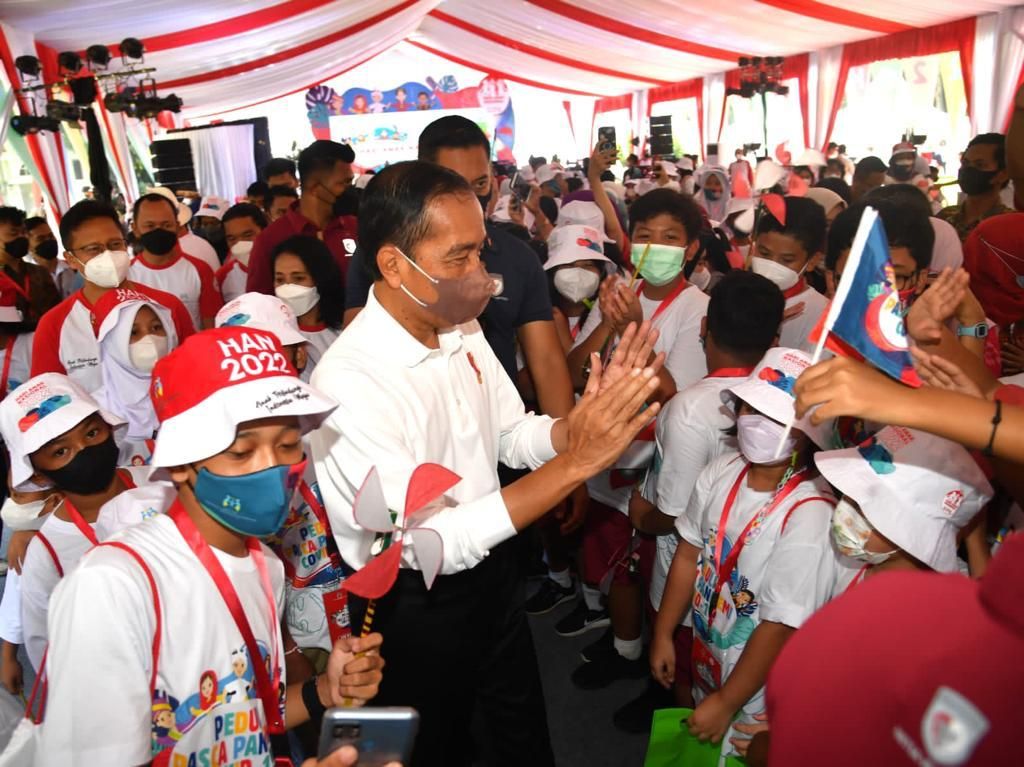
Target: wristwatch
[[973, 331]]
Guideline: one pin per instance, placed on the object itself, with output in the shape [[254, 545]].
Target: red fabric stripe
[[290, 53], [611, 103], [592, 19], [498, 73], [837, 15], [218, 30], [539, 52]]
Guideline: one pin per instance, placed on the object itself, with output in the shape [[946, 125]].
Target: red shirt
[[338, 231]]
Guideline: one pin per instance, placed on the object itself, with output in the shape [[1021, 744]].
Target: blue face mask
[[250, 504]]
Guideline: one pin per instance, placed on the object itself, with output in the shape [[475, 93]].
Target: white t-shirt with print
[[191, 280], [679, 326], [795, 331], [784, 573], [102, 625], [689, 434]]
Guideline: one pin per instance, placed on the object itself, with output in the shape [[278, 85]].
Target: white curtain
[[1010, 55], [714, 109], [828, 61], [223, 159]]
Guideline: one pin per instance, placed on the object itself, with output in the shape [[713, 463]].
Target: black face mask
[[159, 242], [47, 249], [17, 248], [901, 172], [212, 234], [89, 472], [972, 180]]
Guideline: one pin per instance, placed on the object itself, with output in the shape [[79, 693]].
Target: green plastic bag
[[672, 745]]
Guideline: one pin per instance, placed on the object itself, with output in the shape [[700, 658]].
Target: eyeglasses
[[94, 249], [905, 281]]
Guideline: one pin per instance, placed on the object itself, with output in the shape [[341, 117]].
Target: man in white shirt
[[160, 263], [418, 383], [782, 252]]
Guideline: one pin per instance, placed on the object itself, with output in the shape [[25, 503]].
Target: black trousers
[[460, 649]]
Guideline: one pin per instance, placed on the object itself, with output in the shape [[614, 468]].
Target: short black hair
[[322, 267], [83, 212], [744, 314], [451, 132], [905, 227], [321, 156], [12, 215], [33, 221], [805, 222], [278, 191], [607, 176], [901, 195], [257, 189], [838, 186], [396, 203], [680, 206], [245, 210], [867, 166], [997, 140], [277, 166], [834, 163], [153, 198], [574, 184], [549, 208], [633, 157]]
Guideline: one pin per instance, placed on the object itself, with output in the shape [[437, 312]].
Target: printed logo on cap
[[952, 727], [236, 320], [952, 501], [585, 242], [879, 449], [778, 379], [43, 409]]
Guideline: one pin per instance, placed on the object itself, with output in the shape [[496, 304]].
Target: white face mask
[[145, 352], [701, 278], [108, 269], [17, 515], [241, 251], [759, 439], [299, 297], [781, 275], [576, 283], [850, 533]]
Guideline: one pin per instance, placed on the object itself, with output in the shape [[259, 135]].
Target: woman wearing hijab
[[133, 333], [715, 192]]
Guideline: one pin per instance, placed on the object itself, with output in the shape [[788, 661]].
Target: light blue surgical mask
[[250, 504]]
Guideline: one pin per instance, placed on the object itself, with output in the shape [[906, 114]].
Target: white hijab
[[125, 390]]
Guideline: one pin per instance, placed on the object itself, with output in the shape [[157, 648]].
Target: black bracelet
[[996, 419], [311, 699]]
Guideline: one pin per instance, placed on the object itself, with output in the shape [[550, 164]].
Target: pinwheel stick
[[371, 608]]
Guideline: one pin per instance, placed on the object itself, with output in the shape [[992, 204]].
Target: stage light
[[30, 124], [117, 102], [131, 48], [83, 90], [98, 56], [69, 61], [63, 110], [151, 106], [28, 67]]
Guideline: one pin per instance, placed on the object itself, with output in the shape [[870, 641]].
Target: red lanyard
[[725, 568], [76, 516], [796, 290], [730, 373], [4, 276], [265, 688], [321, 515], [8, 355], [576, 330], [666, 302]]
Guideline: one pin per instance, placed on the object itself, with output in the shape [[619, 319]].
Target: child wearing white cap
[[754, 559], [149, 621], [60, 438], [315, 611], [906, 495]]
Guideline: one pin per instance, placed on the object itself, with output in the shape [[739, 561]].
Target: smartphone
[[606, 139], [381, 735], [520, 188]]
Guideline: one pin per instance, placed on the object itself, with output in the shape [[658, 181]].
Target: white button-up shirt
[[404, 404]]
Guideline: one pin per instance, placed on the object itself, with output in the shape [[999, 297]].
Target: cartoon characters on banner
[[491, 94]]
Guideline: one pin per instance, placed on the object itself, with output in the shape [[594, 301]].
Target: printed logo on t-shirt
[[222, 723], [953, 500], [952, 727]]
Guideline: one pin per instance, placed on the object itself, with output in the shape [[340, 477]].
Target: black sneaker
[[635, 717], [581, 620], [607, 669], [549, 596], [600, 648]]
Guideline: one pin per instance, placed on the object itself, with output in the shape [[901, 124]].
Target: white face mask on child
[[850, 533], [781, 275], [759, 439], [576, 283], [145, 352]]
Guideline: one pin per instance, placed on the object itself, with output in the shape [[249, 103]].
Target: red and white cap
[[214, 207], [9, 311], [904, 147], [106, 310], [41, 409], [583, 213], [914, 488], [569, 244], [262, 312], [769, 390], [219, 379]]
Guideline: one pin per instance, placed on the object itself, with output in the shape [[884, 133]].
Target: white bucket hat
[[184, 211], [214, 207], [914, 488], [769, 390], [261, 312], [569, 244], [583, 213]]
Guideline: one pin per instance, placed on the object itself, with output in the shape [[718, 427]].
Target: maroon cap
[[907, 668]]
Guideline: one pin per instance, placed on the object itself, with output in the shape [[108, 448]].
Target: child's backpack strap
[[53, 553], [801, 502]]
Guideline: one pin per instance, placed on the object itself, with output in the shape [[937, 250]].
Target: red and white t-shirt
[[186, 277], [794, 332], [204, 708], [231, 278], [193, 245], [65, 339]]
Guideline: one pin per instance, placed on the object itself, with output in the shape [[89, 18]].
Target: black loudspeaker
[[172, 161], [661, 135]]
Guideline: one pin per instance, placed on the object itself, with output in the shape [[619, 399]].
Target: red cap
[[112, 301], [906, 668]]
